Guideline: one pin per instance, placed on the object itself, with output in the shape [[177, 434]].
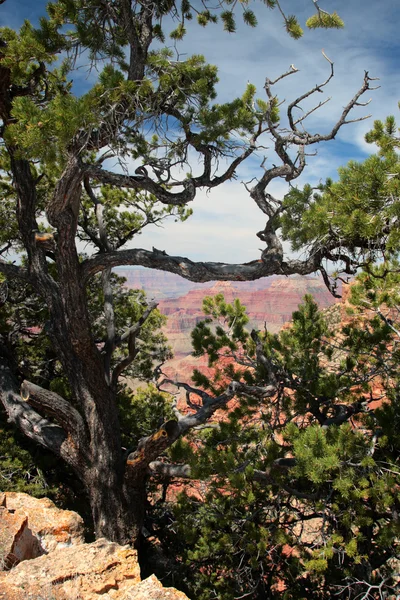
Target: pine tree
[[57, 192], [300, 493]]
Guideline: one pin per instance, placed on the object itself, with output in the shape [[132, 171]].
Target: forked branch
[[272, 260], [130, 336]]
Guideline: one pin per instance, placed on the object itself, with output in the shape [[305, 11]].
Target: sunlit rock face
[[53, 527], [65, 568]]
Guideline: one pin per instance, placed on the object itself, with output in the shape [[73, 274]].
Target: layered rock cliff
[[270, 307], [270, 303]]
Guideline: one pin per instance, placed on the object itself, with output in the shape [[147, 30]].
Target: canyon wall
[[270, 303]]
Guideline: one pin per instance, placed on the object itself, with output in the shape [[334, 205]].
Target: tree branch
[[15, 272], [57, 408], [140, 182], [169, 470], [130, 335], [200, 271], [343, 412], [183, 471], [151, 447], [34, 426]]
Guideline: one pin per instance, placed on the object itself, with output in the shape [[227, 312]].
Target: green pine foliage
[[293, 27], [361, 209], [325, 20], [298, 493], [142, 412], [296, 501], [23, 467]]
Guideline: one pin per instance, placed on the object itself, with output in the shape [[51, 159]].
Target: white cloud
[[223, 227]]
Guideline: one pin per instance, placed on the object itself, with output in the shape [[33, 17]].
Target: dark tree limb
[[205, 397], [34, 426], [15, 272], [343, 412], [143, 183], [151, 447], [272, 259], [199, 271], [56, 407]]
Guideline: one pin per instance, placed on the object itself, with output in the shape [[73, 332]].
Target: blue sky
[[225, 220]]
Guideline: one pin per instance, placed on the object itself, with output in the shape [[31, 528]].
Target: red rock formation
[[271, 307]]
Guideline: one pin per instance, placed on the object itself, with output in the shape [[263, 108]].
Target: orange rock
[[152, 589], [17, 542], [53, 527], [89, 571]]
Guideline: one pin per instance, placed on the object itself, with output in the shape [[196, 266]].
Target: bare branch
[[295, 103], [268, 82], [199, 271], [141, 182], [183, 471], [353, 102], [169, 470], [211, 406], [151, 447], [130, 335], [189, 389], [135, 329], [343, 412], [308, 113], [387, 321]]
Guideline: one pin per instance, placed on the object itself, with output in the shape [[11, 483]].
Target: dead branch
[[34, 426], [130, 335]]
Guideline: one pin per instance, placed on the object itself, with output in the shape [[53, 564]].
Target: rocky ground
[[43, 557]]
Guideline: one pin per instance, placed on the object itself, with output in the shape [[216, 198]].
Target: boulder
[[101, 570], [17, 542], [42, 549], [53, 527]]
